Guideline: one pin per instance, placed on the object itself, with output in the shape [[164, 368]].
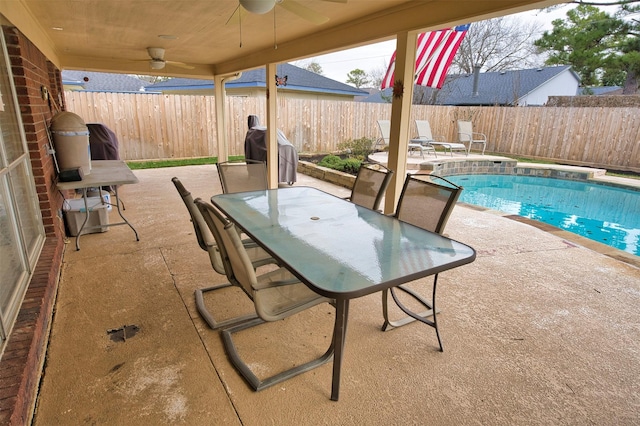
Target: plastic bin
[[75, 213]]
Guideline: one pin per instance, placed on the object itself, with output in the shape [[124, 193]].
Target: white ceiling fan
[[157, 61], [261, 7]]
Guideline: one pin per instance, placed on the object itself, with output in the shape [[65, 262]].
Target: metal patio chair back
[[370, 185], [426, 203], [249, 175], [276, 294]]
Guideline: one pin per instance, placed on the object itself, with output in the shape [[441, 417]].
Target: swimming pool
[[602, 213]]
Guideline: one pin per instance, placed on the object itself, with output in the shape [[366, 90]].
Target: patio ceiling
[[112, 35]]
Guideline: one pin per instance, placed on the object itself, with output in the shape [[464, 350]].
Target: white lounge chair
[[385, 132], [424, 133]]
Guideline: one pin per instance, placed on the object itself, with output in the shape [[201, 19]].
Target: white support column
[[220, 101], [400, 116], [221, 112], [272, 135]]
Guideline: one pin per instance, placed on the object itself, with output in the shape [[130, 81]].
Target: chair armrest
[[479, 135], [467, 138], [265, 281]]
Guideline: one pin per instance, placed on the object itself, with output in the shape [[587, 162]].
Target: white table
[[103, 173]]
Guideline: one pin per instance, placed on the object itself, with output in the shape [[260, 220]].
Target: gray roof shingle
[[103, 82], [494, 88], [297, 79]]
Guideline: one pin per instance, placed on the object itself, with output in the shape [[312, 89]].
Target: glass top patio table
[[339, 249]]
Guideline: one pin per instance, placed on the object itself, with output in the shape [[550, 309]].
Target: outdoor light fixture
[[258, 6], [156, 64]]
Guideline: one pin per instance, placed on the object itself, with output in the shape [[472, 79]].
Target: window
[[21, 230]]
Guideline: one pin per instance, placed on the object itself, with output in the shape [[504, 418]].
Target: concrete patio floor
[[538, 330]]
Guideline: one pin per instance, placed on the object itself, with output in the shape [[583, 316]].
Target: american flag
[[435, 52]]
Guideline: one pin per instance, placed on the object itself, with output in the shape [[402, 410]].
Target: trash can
[[71, 142]]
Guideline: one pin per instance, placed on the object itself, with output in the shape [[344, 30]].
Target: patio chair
[[370, 185], [385, 133], [424, 133], [425, 201], [467, 135], [249, 175], [207, 242], [276, 295]]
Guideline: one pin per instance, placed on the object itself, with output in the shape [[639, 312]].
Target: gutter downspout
[[220, 102]]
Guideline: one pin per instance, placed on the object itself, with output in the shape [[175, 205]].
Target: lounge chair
[[385, 132], [467, 135], [424, 133], [427, 204]]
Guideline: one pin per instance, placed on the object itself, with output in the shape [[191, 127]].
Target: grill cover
[[255, 148]]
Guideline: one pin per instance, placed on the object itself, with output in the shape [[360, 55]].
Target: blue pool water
[[602, 213]]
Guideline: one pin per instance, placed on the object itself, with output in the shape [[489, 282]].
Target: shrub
[[330, 161], [347, 165], [351, 165], [358, 148]]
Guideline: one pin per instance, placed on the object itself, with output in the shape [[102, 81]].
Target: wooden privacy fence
[[153, 126]]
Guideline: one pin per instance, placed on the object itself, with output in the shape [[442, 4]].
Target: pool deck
[[538, 330]]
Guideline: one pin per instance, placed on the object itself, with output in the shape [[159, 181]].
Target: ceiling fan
[[261, 7], [157, 61]]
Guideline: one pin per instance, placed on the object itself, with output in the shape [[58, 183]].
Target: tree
[[314, 67], [496, 45], [602, 49], [152, 78], [357, 77], [376, 75]]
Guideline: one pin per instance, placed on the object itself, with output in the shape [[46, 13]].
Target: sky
[[337, 65]]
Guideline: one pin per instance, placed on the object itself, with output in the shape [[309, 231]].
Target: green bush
[[357, 148], [347, 165], [330, 161], [351, 165]]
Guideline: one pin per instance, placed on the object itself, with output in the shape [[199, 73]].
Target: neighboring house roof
[[520, 87], [102, 82], [297, 79], [599, 91]]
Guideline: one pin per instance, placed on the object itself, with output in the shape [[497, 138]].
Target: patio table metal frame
[[339, 249], [103, 173]]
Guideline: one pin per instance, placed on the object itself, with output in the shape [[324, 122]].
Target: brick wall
[[23, 357]]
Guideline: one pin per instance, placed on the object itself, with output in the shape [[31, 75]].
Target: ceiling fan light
[[156, 64], [258, 6]]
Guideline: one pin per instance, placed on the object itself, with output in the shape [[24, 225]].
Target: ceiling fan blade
[[303, 11], [180, 65]]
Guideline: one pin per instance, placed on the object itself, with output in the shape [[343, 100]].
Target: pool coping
[[568, 237]]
